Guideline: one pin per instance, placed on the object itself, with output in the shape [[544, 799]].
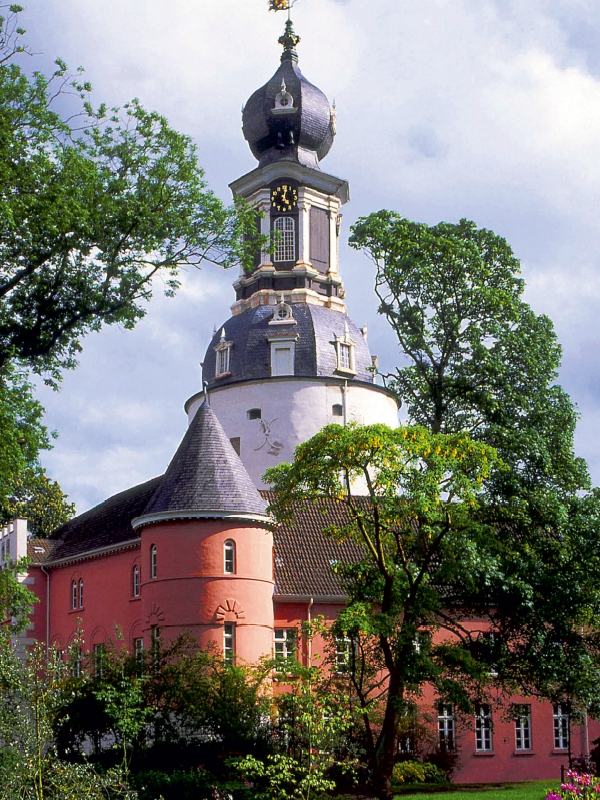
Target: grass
[[535, 790]]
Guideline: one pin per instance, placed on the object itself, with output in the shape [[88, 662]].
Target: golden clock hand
[[284, 195]]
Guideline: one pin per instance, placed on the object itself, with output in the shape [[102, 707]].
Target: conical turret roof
[[205, 478]]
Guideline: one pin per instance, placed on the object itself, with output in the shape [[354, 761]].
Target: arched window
[[73, 594], [229, 556], [286, 241], [80, 592], [153, 561], [135, 580]]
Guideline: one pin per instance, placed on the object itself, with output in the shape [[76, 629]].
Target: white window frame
[[561, 725], [99, 659], [229, 557], [522, 712], [138, 647], [483, 728], [153, 561], [446, 728], [74, 594], [285, 644], [80, 592], [344, 346], [223, 356], [282, 343], [229, 642], [135, 580], [285, 247], [344, 647]]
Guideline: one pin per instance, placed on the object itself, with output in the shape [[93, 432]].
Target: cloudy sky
[[486, 109]]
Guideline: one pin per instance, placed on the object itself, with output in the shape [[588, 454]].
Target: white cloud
[[446, 108]]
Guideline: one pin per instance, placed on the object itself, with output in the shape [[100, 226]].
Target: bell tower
[[289, 360], [290, 127]]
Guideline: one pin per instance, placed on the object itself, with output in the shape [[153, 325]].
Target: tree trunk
[[386, 745]]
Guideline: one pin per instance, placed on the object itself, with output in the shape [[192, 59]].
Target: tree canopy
[[93, 207], [480, 360]]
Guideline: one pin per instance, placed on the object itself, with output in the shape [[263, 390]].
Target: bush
[[408, 772], [414, 772], [178, 785], [433, 774]]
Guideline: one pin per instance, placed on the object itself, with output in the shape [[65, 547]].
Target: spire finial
[[288, 41]]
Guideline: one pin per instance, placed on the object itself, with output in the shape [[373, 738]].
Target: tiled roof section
[[104, 525], [315, 354], [268, 134], [40, 550], [205, 475], [305, 556]]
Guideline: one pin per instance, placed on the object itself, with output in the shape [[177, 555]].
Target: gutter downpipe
[[344, 402], [309, 644], [47, 574]]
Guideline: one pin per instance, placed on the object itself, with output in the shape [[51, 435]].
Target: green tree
[[479, 359], [93, 208], [32, 692]]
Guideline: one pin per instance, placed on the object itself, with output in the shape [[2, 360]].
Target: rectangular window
[[223, 360], [446, 731], [343, 654], [76, 661], [522, 727], [282, 360], [286, 241], [99, 659], [319, 238], [229, 556], [155, 643], [285, 644], [483, 728], [560, 719], [345, 353], [229, 642]]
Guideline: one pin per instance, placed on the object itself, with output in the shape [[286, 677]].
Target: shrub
[[409, 772]]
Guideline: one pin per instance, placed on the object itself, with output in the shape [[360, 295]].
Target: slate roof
[[206, 477], [315, 353], [311, 126], [105, 525], [304, 556]]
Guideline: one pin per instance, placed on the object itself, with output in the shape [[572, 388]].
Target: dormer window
[[344, 348], [223, 351], [284, 102], [285, 249]]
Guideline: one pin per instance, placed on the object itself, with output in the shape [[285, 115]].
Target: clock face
[[284, 197]]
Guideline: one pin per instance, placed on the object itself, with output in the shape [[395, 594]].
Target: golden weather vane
[[281, 5]]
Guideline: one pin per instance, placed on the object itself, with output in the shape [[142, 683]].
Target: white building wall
[[292, 411]]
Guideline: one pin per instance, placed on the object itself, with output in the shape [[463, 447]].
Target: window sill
[[343, 371], [77, 610], [523, 752], [559, 751], [484, 753], [135, 598], [222, 375]]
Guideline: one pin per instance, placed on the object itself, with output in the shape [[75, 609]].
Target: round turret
[[288, 118]]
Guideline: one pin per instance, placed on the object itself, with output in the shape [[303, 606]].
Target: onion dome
[[205, 479], [288, 118], [317, 332]]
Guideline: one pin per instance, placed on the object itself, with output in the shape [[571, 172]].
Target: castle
[[194, 548]]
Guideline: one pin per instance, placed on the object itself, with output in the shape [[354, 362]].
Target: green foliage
[[32, 692], [415, 772], [93, 207], [479, 359], [176, 785], [16, 601], [280, 777]]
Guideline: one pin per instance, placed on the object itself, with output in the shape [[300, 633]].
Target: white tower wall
[[291, 412]]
